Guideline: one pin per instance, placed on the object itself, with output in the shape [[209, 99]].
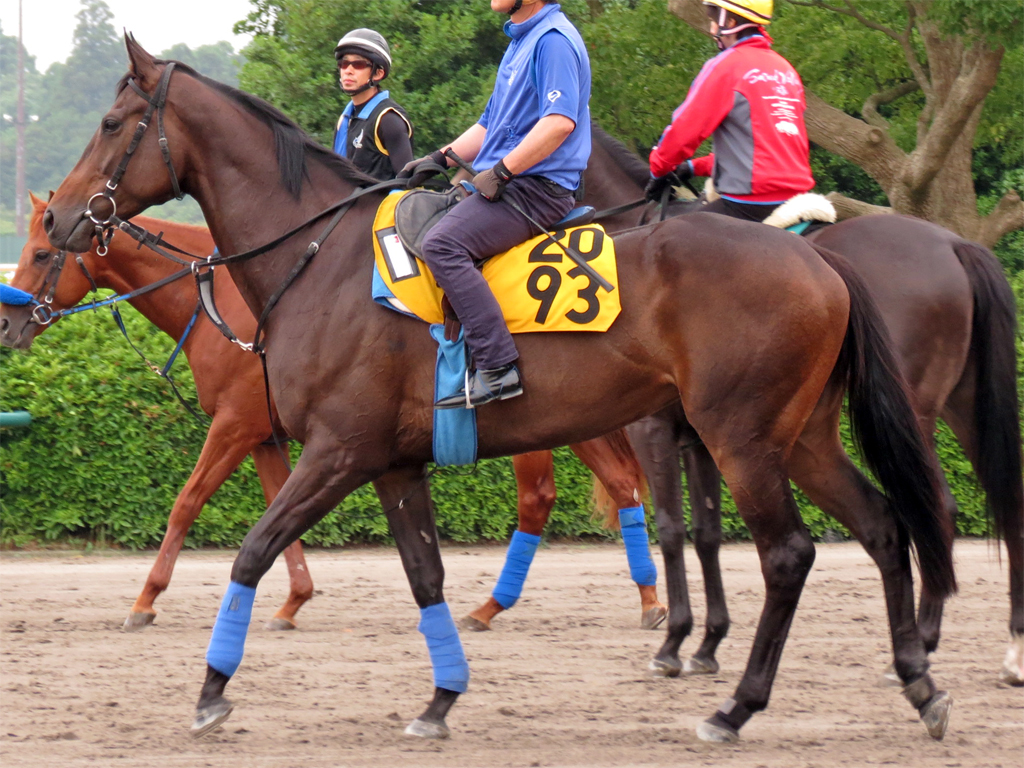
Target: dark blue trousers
[[477, 229]]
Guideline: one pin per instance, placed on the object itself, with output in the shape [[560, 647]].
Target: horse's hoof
[[210, 716], [424, 730], [138, 620], [661, 668], [471, 624], [696, 666], [653, 617], [1013, 664], [935, 714], [709, 731], [278, 624], [889, 678]]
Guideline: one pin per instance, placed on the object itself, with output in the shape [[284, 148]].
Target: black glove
[[418, 171], [491, 183], [656, 186]]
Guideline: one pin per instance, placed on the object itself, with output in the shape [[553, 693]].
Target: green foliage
[[109, 448]]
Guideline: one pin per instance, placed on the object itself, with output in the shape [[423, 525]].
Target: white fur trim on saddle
[[806, 207]]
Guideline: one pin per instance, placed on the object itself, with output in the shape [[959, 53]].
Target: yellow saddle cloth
[[537, 286]]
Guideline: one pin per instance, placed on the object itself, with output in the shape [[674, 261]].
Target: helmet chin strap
[[722, 31], [515, 7], [356, 91]]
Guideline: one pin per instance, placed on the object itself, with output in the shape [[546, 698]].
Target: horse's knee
[[789, 563], [671, 532], [707, 540]]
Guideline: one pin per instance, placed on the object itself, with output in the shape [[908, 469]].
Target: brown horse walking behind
[[228, 380], [743, 325]]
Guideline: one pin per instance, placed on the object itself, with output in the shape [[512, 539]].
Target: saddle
[[419, 210], [801, 215]]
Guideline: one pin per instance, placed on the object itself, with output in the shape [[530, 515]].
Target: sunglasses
[[357, 64]]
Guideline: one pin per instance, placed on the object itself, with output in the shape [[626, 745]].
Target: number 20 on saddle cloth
[[537, 287]]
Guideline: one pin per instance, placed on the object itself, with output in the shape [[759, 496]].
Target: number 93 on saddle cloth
[[538, 287]]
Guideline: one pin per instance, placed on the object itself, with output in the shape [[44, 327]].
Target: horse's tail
[[888, 434], [996, 408], [604, 504]]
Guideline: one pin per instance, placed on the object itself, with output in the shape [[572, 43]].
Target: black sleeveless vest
[[363, 145]]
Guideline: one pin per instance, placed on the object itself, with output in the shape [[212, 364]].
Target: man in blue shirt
[[534, 140]]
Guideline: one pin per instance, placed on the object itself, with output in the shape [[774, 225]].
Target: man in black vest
[[373, 131]]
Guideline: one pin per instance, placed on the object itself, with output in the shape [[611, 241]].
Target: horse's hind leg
[[223, 451], [405, 496], [705, 486], [961, 417], [272, 467], [614, 464], [323, 476], [655, 439], [764, 499], [535, 487], [822, 469]]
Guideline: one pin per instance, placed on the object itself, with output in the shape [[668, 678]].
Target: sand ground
[[560, 682]]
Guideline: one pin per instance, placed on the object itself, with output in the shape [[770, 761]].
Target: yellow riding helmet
[[757, 11]]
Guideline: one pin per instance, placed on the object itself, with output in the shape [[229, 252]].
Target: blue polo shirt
[[545, 71]]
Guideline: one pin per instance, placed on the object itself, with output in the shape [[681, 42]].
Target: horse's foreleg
[[535, 487], [614, 464], [273, 470], [705, 486], [223, 451], [405, 496], [323, 476], [656, 443]]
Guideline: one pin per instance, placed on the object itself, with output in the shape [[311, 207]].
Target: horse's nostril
[[5, 325], [48, 221]]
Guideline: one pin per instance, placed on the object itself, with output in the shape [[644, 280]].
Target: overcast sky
[[48, 25]]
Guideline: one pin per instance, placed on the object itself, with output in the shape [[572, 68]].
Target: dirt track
[[560, 682]]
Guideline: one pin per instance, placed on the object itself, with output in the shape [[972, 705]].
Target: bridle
[[42, 311], [105, 227]]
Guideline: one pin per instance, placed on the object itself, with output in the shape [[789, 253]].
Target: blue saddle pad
[[454, 428]]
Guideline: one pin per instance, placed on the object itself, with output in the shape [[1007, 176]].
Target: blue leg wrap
[[227, 643], [638, 549], [451, 671], [521, 550]]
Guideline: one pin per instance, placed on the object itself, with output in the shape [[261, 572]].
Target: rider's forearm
[[543, 139], [467, 146]]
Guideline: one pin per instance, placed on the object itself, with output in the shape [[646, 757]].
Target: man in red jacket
[[752, 101]]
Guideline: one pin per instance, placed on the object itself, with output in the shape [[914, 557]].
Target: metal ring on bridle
[[91, 216], [42, 314]]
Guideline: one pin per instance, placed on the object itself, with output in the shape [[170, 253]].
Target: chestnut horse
[[744, 325], [230, 386], [952, 316], [229, 381]]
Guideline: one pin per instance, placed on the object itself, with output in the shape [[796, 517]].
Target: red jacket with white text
[[752, 100]]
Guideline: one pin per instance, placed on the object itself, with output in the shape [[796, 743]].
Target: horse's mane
[[293, 145], [633, 165]]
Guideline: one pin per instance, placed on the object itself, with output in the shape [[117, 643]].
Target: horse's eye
[[110, 125], [42, 256]]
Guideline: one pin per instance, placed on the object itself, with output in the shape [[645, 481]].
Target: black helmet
[[366, 43]]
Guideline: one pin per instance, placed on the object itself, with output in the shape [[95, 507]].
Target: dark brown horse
[[229, 381], [745, 325], [952, 317]]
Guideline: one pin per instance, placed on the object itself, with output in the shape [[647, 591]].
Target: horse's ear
[[140, 63], [51, 196], [36, 202]]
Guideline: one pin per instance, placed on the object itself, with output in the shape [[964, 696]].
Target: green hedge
[[109, 448]]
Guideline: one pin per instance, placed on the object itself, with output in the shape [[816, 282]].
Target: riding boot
[[483, 386]]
